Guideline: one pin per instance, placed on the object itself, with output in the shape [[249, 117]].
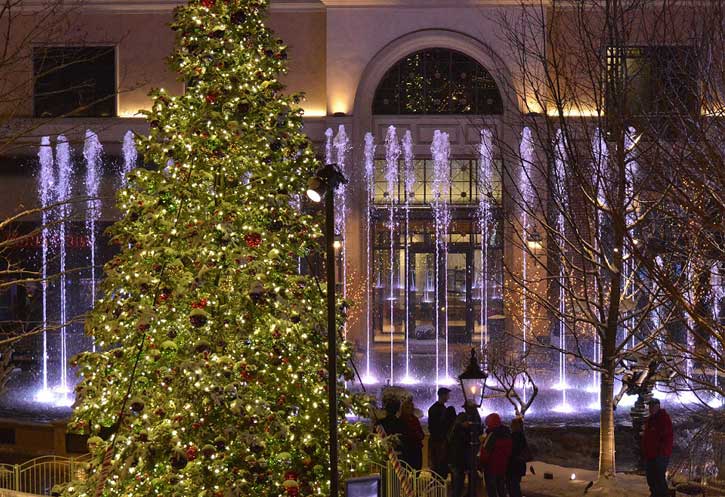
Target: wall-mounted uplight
[[534, 241]]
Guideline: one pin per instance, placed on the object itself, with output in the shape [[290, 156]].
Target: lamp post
[[473, 384], [323, 184]]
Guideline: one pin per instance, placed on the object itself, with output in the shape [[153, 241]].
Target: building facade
[[423, 245]]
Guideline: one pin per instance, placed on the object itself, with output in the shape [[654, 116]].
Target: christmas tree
[[211, 379]]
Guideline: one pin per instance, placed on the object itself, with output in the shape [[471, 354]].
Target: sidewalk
[[572, 482]]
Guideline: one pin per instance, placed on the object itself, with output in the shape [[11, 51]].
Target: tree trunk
[[606, 428]]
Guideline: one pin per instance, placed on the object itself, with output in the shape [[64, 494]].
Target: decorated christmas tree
[[211, 379]]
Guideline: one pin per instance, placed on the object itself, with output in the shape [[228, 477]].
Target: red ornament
[[208, 3], [191, 453], [253, 240], [211, 98]]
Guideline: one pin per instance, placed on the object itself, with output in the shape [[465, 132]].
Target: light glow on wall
[[315, 111]]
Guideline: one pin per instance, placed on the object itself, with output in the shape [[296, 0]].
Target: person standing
[[657, 448], [393, 425], [412, 436], [463, 449], [495, 455], [520, 455], [440, 421]]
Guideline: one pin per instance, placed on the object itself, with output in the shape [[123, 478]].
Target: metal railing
[[423, 483], [38, 476]]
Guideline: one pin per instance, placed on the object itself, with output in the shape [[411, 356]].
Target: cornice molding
[[428, 4], [157, 6]]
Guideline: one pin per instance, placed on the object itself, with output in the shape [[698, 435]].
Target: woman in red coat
[[657, 448], [412, 436], [495, 455]]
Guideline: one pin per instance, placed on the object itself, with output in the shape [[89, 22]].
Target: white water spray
[[485, 203], [45, 192], [560, 185], [392, 154], [130, 156], [92, 151], [369, 171], [63, 191], [440, 150], [600, 154], [341, 147], [409, 179], [526, 153]]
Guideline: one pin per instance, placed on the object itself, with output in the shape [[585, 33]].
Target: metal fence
[[423, 483], [38, 476]]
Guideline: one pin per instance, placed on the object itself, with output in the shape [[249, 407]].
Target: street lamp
[[323, 184], [473, 381]]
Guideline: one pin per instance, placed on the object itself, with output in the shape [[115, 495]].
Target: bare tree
[[29, 32], [602, 81]]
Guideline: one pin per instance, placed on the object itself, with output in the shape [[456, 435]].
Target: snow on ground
[[572, 482]]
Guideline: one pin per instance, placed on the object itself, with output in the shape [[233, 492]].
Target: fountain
[[600, 153], [55, 180], [392, 153], [130, 156], [92, 150], [440, 150], [717, 287], [560, 158], [341, 146], [369, 173], [62, 195], [631, 169], [409, 180], [485, 202], [526, 151], [45, 193], [415, 365]]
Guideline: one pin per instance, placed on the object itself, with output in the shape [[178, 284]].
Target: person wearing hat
[[657, 448], [440, 420], [495, 454]]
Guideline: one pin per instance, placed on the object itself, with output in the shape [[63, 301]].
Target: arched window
[[437, 81]]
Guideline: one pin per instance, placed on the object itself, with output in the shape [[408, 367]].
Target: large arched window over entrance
[[437, 81]]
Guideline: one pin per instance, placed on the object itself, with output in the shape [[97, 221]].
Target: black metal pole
[[331, 334]]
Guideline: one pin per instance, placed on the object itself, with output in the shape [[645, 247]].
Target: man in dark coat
[[520, 455], [392, 424], [440, 421], [495, 455], [463, 448], [657, 448]]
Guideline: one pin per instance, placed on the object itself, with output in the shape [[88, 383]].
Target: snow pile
[[573, 482]]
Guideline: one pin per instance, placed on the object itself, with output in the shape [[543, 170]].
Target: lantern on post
[[473, 381]]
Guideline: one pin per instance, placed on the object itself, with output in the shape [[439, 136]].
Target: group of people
[[461, 444]]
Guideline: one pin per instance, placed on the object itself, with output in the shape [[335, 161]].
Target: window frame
[[92, 110], [616, 58]]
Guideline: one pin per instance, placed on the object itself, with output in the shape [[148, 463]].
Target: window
[[74, 81], [437, 81], [464, 183], [411, 282], [653, 80]]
